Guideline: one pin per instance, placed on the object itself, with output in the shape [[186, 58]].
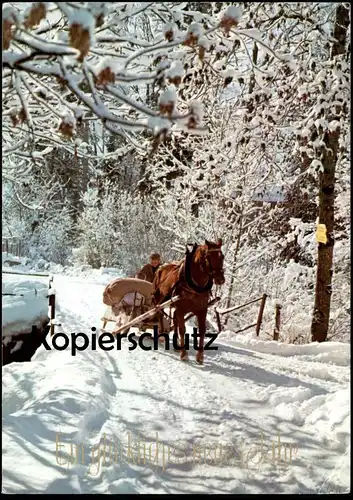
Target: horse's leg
[[181, 327], [201, 321], [175, 326]]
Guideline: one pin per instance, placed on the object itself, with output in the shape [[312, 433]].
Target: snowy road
[[227, 427]]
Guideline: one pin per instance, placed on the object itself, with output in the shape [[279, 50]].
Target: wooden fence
[[12, 246], [221, 312], [276, 330]]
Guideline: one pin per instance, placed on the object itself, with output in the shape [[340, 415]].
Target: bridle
[[185, 277], [207, 268]]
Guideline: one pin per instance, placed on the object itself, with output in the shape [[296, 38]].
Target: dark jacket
[[147, 273]]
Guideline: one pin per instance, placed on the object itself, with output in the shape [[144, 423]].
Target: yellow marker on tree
[[321, 234]]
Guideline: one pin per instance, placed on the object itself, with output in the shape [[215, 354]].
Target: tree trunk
[[323, 291], [320, 322]]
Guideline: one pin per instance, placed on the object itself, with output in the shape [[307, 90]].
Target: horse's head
[[211, 259]]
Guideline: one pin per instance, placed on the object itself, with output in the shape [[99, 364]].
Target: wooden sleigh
[[129, 304]]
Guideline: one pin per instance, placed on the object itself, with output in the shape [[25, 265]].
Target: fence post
[[276, 330], [52, 313], [52, 307], [261, 312], [7, 246]]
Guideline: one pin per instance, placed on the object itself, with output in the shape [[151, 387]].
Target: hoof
[[184, 356], [199, 359]]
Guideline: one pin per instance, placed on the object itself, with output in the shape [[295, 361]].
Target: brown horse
[[192, 280]]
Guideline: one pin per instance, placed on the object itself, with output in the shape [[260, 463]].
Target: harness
[[185, 281], [185, 274]]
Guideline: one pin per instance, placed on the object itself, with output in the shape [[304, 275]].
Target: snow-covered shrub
[[52, 239], [118, 228], [44, 231], [90, 228]]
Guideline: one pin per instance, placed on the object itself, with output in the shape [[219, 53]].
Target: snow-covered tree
[[65, 62], [270, 147]]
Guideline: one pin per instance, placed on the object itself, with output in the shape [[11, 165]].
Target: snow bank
[[110, 270], [13, 264], [328, 352], [326, 416], [332, 419], [26, 307], [101, 276]]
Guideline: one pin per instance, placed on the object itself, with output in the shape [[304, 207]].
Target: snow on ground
[[230, 426]]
